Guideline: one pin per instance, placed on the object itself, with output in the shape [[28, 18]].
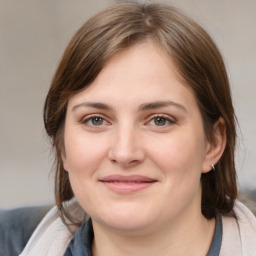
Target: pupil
[[160, 121], [97, 121]]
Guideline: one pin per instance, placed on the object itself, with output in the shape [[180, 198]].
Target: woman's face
[[134, 144]]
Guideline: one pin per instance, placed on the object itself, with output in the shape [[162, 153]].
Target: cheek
[[179, 161], [83, 153], [83, 158], [179, 157], [178, 151]]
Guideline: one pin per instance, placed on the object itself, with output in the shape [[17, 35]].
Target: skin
[[125, 135]]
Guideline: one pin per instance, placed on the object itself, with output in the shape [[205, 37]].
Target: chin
[[127, 225], [125, 220]]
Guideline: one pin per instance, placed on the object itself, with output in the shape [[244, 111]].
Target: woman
[[142, 121]]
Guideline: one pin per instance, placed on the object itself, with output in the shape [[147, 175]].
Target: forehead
[[142, 72]]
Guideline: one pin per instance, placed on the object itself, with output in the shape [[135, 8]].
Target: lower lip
[[127, 187]]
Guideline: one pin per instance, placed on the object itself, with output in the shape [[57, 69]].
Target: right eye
[[94, 121]]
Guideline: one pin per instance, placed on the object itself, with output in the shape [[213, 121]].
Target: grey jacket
[[16, 227]]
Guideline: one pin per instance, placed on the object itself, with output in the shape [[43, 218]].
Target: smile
[[127, 184]]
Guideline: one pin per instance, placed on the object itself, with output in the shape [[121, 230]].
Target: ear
[[216, 146], [60, 145], [64, 160]]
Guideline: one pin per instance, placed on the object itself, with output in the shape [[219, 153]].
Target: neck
[[193, 236]]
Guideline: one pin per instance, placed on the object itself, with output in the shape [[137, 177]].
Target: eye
[[161, 121], [97, 121], [94, 121]]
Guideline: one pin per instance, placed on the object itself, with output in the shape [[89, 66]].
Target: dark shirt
[[80, 245], [217, 238]]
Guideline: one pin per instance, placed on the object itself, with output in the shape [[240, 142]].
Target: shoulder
[[16, 226], [239, 232], [52, 236]]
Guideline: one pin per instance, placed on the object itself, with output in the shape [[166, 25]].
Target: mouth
[[127, 184]]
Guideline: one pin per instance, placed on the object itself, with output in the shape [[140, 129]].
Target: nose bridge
[[126, 146]]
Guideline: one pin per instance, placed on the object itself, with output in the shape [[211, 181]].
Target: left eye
[[160, 121], [97, 121]]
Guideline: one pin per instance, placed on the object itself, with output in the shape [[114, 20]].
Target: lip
[[127, 184]]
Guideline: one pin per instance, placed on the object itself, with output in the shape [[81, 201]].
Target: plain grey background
[[33, 35]]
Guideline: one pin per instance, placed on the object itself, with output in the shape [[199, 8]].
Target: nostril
[[126, 159]]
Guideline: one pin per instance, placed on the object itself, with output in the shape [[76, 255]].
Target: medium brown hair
[[197, 59]]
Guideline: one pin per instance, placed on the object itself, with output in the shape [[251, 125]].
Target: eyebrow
[[97, 105], [142, 107], [161, 104]]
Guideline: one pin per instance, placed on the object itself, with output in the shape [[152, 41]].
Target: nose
[[126, 147]]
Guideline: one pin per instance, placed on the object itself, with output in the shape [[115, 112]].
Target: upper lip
[[128, 178]]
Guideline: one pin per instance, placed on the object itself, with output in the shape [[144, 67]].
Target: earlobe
[[216, 146]]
